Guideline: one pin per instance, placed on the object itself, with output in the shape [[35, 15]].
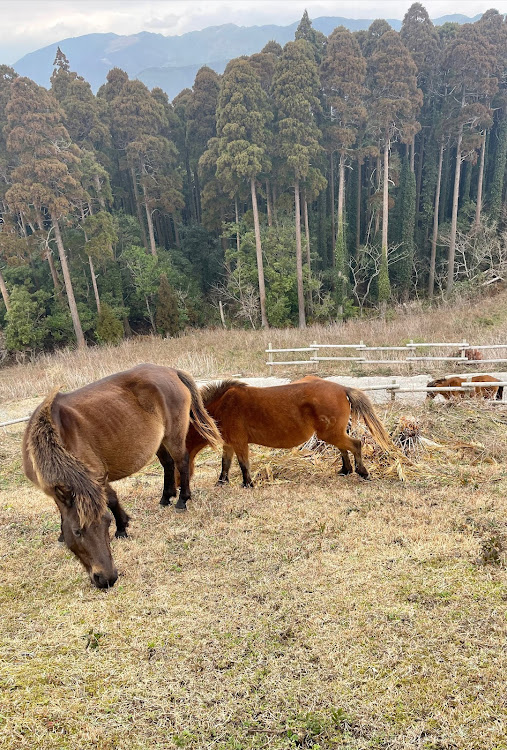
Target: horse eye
[[78, 532]]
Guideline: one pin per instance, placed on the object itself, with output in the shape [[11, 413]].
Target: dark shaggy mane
[[54, 465], [213, 391]]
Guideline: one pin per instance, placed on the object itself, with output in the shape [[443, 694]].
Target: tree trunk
[[497, 180], [94, 283], [331, 188], [138, 207], [340, 271], [68, 286], [377, 212], [149, 219], [454, 215], [341, 189], [99, 192], [412, 154], [431, 279], [480, 181], [308, 253], [358, 208], [197, 196], [5, 293], [90, 261], [54, 275], [258, 250], [299, 257], [385, 198], [236, 213], [268, 205], [418, 183]]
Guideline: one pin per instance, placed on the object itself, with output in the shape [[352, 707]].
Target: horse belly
[[284, 435], [125, 452]]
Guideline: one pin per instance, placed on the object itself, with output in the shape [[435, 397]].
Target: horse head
[[86, 533]]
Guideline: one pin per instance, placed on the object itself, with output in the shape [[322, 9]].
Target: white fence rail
[[361, 354], [392, 388]]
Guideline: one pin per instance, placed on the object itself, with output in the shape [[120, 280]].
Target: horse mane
[[214, 391], [436, 383], [55, 466]]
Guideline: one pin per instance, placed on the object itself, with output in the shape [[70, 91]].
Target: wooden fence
[[361, 354]]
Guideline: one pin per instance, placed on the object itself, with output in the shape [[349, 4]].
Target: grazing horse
[[456, 381], [76, 443], [284, 416]]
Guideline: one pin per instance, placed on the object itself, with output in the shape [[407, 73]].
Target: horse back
[[279, 416]]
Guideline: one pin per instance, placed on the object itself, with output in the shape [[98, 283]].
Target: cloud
[[27, 25]]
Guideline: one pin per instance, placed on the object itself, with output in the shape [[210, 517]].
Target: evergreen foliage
[[127, 212]]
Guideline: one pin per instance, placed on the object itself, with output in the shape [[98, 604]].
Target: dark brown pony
[[76, 443], [285, 416], [456, 381]]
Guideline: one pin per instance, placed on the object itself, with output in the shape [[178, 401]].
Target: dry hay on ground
[[312, 611]]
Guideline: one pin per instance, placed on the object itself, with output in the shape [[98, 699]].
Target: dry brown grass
[[219, 353], [312, 611]]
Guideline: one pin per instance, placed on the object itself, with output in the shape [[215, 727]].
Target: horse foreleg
[[121, 518], [167, 462], [227, 456], [244, 464]]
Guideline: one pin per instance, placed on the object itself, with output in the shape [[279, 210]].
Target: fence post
[[412, 350], [393, 392], [270, 357], [463, 348], [315, 352]]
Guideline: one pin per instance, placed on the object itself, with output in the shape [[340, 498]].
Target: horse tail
[[55, 467], [499, 393], [199, 417], [361, 406]]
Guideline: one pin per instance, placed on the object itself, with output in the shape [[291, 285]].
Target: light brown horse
[[456, 381], [285, 416], [76, 443]]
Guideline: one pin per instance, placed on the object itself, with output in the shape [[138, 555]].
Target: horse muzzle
[[102, 581]]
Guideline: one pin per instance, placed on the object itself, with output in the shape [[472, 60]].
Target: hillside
[[172, 61]]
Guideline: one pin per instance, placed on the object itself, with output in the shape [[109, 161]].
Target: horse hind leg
[[242, 454], [167, 462], [227, 456], [346, 465], [345, 443]]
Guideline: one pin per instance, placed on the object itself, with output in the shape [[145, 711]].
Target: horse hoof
[[181, 509], [121, 534], [248, 486], [222, 482], [366, 477], [165, 501]]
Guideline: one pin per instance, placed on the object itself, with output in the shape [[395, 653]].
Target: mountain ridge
[[172, 61]]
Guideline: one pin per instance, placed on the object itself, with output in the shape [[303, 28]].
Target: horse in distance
[[77, 443], [285, 416], [493, 392]]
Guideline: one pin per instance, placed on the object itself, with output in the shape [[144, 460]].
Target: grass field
[[314, 611]]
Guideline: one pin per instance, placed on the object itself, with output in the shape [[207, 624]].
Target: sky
[[27, 25]]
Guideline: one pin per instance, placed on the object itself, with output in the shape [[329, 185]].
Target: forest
[[331, 178]]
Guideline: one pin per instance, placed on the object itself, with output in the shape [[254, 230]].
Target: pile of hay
[[431, 443]]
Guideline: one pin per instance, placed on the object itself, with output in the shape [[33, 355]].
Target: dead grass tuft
[[314, 610]]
